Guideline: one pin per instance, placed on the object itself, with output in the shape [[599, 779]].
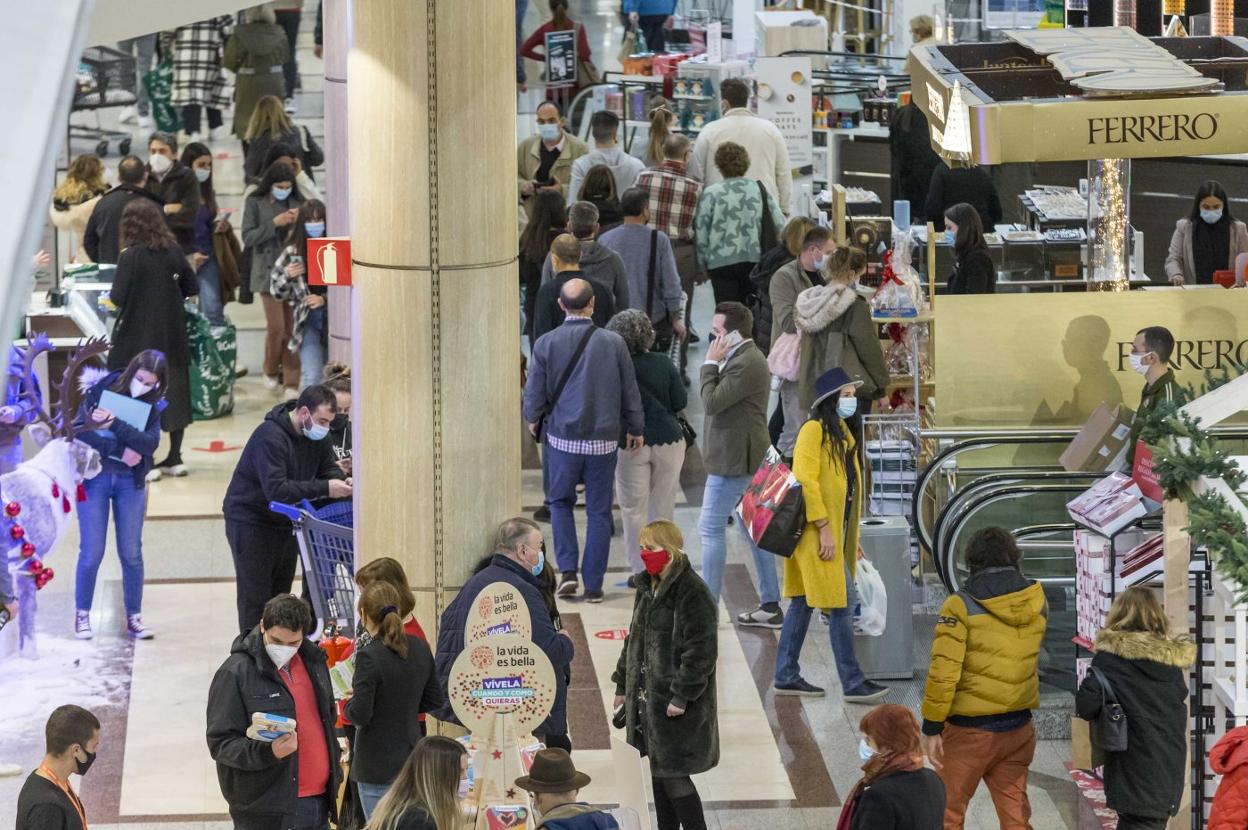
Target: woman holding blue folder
[[122, 413]]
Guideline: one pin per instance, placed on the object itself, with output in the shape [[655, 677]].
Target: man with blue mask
[[545, 159], [519, 560], [287, 459]]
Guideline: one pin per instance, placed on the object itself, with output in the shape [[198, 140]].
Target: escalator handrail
[[983, 440], [948, 575], [993, 480]]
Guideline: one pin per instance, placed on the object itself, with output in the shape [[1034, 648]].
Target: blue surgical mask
[[315, 431], [314, 229], [1211, 216], [819, 262], [846, 407], [548, 132], [865, 752], [950, 237], [541, 563], [202, 174], [280, 193]]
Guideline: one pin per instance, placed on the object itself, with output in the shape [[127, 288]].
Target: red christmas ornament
[[82, 492], [43, 578], [56, 490], [17, 532], [12, 509], [35, 567], [65, 505], [28, 549]]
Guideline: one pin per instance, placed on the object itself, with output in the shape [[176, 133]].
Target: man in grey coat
[[580, 397], [600, 265], [649, 264], [735, 388]]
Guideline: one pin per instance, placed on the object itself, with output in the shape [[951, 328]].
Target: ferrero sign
[[1071, 94]]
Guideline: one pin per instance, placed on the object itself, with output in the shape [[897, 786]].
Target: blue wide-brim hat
[[830, 382]]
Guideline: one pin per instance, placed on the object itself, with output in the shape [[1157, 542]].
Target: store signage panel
[[784, 98], [1049, 359]]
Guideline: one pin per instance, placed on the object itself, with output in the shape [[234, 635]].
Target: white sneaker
[[82, 625], [215, 133], [146, 122], [154, 474], [128, 115], [291, 106], [136, 628], [10, 770], [289, 394], [272, 383]]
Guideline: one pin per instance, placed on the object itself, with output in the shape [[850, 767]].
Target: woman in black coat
[[665, 678], [896, 791], [394, 682], [973, 271], [1146, 670], [152, 281]]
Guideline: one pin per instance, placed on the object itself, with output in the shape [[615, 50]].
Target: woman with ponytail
[[662, 120], [394, 682]]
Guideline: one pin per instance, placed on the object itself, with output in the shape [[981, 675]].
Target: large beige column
[[435, 320]]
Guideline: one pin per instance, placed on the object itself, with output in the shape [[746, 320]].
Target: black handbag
[[768, 233], [313, 155], [1109, 730], [691, 437]]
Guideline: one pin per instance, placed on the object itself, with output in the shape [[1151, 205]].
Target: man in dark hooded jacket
[[290, 783], [287, 459]]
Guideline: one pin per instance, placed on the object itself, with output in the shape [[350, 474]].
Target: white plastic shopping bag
[[872, 600]]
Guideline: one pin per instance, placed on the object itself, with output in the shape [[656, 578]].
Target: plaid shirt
[[673, 198], [582, 447]]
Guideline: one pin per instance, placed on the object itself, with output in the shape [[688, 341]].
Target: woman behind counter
[[1206, 240], [973, 268]]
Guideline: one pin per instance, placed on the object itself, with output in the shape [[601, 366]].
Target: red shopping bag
[[772, 509]]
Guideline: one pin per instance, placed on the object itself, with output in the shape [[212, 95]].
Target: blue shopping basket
[[327, 549]]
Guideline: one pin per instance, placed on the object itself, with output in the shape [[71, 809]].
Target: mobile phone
[[732, 338]]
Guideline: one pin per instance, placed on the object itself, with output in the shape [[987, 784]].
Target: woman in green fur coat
[[665, 679]]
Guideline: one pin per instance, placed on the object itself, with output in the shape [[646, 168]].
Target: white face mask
[[1137, 362], [865, 752], [280, 655], [159, 163], [138, 388]]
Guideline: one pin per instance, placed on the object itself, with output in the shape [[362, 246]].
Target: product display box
[[1102, 443]]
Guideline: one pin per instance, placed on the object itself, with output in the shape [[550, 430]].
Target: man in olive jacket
[[735, 387]]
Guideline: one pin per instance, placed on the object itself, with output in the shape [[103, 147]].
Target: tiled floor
[[785, 763]]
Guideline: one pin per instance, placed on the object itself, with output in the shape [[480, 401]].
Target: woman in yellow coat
[[820, 574]]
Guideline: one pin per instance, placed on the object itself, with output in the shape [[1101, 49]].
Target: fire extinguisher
[[327, 258]]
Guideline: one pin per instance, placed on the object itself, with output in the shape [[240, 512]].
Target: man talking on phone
[[735, 386]]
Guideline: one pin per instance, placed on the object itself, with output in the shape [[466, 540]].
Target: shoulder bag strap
[[654, 244], [567, 373], [1107, 691]]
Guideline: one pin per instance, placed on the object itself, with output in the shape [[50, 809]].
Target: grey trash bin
[[886, 541]]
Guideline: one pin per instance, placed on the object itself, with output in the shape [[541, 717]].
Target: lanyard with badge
[[69, 792]]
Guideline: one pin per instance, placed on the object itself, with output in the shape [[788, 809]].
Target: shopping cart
[[328, 554], [105, 79]]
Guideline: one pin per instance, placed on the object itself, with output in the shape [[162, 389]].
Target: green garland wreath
[[1213, 523]]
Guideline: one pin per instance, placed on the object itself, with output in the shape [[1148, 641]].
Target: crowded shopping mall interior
[[646, 413]]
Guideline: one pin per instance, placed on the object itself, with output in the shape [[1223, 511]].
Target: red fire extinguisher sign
[[329, 261]]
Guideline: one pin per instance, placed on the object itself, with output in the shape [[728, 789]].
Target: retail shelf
[[921, 318], [638, 79]]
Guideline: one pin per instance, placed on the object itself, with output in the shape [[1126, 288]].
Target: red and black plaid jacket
[[673, 198]]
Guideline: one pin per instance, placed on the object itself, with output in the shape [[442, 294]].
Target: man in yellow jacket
[[982, 683]]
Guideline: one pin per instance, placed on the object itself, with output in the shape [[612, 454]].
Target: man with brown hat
[[554, 783]]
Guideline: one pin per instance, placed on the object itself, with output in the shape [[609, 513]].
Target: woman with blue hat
[[820, 574]]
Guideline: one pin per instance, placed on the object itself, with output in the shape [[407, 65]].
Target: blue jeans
[[840, 630], [129, 504], [565, 470], [311, 813], [719, 500], [370, 794], [312, 349], [209, 276]]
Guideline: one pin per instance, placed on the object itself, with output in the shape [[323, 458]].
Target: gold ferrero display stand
[[501, 687]]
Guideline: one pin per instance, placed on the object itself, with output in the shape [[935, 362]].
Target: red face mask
[[655, 560]]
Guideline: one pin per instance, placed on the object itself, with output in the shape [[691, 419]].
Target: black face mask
[[340, 422], [83, 766]]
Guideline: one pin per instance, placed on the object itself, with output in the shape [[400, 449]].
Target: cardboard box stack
[[1102, 443]]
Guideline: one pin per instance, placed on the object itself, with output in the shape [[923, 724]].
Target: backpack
[[759, 301]]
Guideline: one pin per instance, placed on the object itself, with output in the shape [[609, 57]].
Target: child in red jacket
[[1229, 759]]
